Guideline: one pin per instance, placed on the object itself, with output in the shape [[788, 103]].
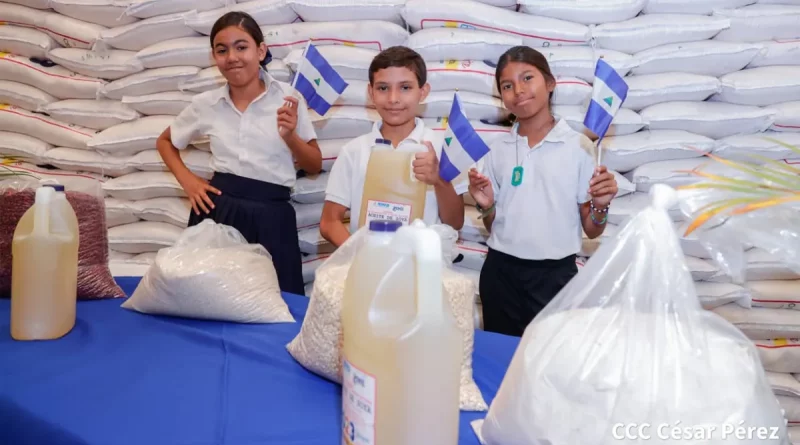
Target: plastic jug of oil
[[44, 271], [391, 191], [401, 345]]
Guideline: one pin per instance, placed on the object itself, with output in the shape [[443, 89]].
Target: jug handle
[[41, 210], [426, 245]]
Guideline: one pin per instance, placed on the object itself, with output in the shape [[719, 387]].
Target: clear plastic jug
[[401, 346], [391, 191], [44, 273]]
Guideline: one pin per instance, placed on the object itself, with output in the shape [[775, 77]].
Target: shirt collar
[[224, 92], [416, 136], [560, 133]]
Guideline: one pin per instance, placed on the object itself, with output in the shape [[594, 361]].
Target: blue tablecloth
[[124, 378]]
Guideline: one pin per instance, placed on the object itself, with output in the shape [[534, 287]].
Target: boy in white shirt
[[397, 85]]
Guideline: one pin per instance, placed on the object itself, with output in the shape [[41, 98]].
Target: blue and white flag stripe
[[609, 91], [318, 81], [462, 146]]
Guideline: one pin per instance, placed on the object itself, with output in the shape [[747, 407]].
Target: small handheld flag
[[462, 146], [317, 81], [608, 94]]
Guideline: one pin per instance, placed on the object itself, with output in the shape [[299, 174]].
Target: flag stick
[[300, 66]]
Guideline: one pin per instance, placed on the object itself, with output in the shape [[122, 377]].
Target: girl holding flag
[[539, 190], [258, 130]]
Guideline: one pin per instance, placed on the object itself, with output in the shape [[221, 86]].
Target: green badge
[[516, 176]]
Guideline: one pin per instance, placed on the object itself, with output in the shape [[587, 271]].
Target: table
[[124, 378]]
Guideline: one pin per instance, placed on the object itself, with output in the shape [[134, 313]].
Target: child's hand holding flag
[[462, 147]]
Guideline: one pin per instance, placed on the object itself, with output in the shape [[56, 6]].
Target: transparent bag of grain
[[318, 345], [212, 273], [18, 185], [625, 354]]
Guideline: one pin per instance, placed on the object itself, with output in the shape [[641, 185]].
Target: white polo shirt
[[245, 144], [347, 176], [539, 219]]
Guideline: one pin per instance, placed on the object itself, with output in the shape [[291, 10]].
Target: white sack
[[144, 9], [648, 31], [624, 207], [308, 215], [54, 80], [105, 13], [787, 117], [757, 23], [712, 119], [131, 137], [582, 11], [625, 153], [264, 12], [119, 212], [650, 89], [197, 161], [744, 147], [775, 294], [781, 355], [144, 185], [535, 31], [25, 42], [343, 10], [571, 91], [762, 323], [713, 295], [312, 243], [70, 32], [370, 34], [777, 52], [205, 80], [75, 160], [579, 61], [110, 65], [23, 96], [463, 75], [22, 15], [153, 81], [705, 7], [185, 51], [310, 189], [95, 114], [673, 172], [172, 210], [435, 44], [330, 149], [141, 237], [45, 128], [761, 86], [139, 35], [26, 148], [344, 122], [169, 103], [706, 57], [185, 280]]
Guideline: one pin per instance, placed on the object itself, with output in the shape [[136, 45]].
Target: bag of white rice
[[318, 345], [627, 342], [212, 273]]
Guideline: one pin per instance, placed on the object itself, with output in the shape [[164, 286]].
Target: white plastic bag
[[625, 344], [318, 345], [212, 273]]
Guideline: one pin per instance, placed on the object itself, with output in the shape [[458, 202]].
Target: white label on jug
[[388, 211], [358, 403]]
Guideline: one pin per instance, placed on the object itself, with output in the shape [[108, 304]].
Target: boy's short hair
[[399, 57]]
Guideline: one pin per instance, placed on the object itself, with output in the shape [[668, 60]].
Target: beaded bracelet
[[485, 212], [593, 210]]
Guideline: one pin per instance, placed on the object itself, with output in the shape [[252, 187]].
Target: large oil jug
[[44, 271], [391, 191], [402, 348]]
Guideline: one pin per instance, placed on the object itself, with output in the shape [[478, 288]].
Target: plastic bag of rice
[[318, 345], [17, 195]]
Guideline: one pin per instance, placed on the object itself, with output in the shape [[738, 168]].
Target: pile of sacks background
[[87, 87]]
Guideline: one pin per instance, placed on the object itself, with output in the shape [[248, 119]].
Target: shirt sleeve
[[186, 126], [339, 189], [305, 128], [585, 173]]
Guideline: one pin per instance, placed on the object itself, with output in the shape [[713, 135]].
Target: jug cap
[[57, 187], [384, 226]]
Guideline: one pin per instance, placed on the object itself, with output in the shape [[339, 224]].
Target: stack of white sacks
[[704, 75]]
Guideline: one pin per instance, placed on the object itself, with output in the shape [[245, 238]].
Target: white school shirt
[[245, 144], [539, 219], [349, 171]]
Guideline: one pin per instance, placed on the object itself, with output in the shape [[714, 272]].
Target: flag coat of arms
[[608, 92], [318, 81], [462, 146]]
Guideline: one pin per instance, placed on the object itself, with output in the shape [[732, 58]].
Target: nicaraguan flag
[[462, 146], [608, 93], [318, 82]]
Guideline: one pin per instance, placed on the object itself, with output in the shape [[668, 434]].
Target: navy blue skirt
[[262, 213]]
